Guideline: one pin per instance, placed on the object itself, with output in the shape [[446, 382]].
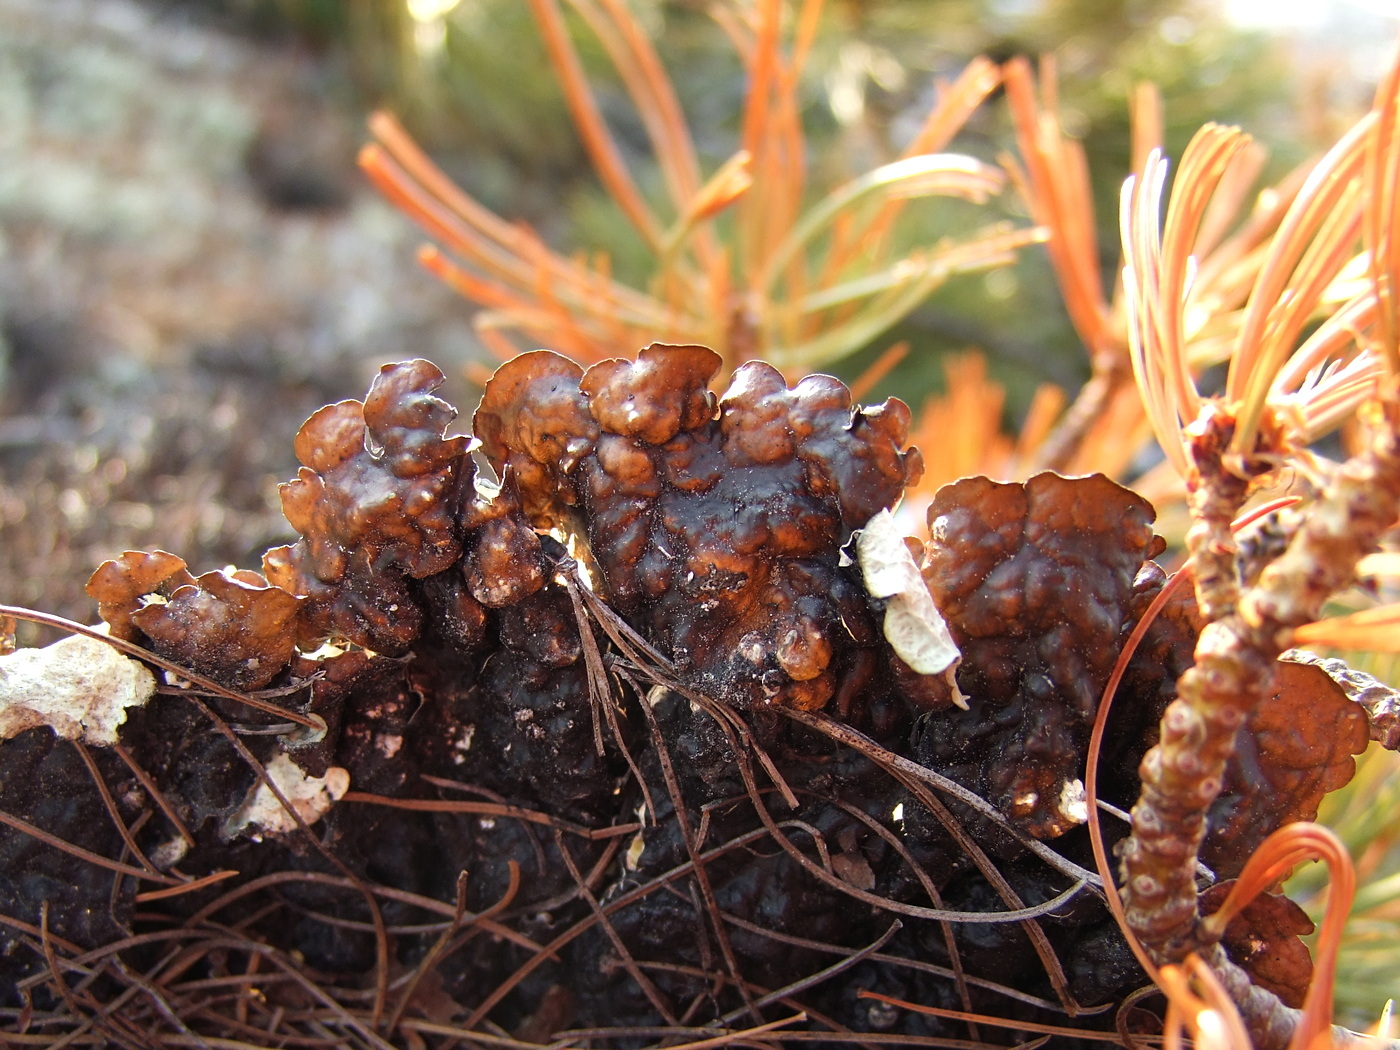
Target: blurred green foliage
[[473, 84]]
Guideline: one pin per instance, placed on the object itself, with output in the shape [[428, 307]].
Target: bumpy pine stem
[[1182, 775], [1235, 656], [1269, 1022], [1216, 496], [1359, 505]]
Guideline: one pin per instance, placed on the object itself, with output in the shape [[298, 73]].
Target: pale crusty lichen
[[311, 797], [79, 687]]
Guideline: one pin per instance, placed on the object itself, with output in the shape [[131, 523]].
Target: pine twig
[[1182, 775]]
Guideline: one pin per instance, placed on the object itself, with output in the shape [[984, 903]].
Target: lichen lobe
[[716, 522]]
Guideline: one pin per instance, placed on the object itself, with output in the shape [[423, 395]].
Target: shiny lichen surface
[[558, 647]]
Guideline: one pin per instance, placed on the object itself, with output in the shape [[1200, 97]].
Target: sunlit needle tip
[[1383, 1026]]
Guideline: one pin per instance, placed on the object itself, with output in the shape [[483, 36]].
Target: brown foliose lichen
[[716, 523], [122, 585], [376, 502], [1266, 940], [232, 626], [1293, 749], [649, 835], [1036, 581]]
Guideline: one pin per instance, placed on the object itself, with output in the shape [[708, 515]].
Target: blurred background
[[190, 262]]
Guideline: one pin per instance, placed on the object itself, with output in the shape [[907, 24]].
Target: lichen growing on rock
[[639, 690]]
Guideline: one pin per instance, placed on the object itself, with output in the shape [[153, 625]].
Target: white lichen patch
[[1074, 803], [169, 853], [311, 797], [462, 744], [914, 627], [79, 687], [388, 744]]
